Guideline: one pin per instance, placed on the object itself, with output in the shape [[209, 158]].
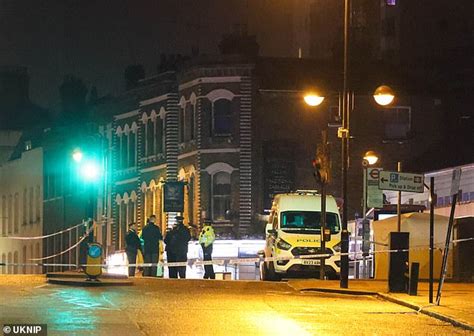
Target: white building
[[442, 181], [21, 204]]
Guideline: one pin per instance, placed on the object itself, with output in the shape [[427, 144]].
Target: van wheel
[[272, 275]]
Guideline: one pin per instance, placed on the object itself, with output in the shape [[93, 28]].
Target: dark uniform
[[132, 245], [176, 242], [151, 235]]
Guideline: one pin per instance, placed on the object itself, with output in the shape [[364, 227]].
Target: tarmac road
[[206, 307]]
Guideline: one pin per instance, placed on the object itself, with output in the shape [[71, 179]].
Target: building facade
[[22, 211]]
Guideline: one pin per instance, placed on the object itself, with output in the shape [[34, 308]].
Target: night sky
[[96, 39]]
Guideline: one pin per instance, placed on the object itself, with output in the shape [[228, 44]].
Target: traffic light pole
[[344, 282]]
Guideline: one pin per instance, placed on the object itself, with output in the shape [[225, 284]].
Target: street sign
[[374, 194], [174, 197], [455, 181], [401, 181]]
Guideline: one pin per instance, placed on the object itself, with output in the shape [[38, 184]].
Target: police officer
[[151, 235], [206, 240], [176, 241], [132, 245]]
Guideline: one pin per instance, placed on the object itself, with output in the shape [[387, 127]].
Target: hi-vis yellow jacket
[[207, 236]]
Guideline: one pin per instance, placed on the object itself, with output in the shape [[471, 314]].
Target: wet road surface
[[198, 307]]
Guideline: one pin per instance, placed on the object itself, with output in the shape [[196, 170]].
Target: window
[[181, 124], [131, 212], [397, 122], [159, 135], [4, 215], [148, 204], [10, 214], [10, 267], [191, 200], [30, 207], [38, 203], [23, 271], [4, 260], [123, 151], [308, 221], [221, 195], [150, 137], [25, 206], [15, 261], [222, 117], [16, 215], [189, 123], [132, 148]]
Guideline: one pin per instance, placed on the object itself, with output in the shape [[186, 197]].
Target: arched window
[[38, 203], [181, 123], [31, 269], [222, 117], [4, 215], [10, 214], [15, 261], [221, 195], [37, 254], [150, 137], [16, 213], [132, 148], [23, 268], [30, 207], [159, 136], [189, 126], [9, 260], [25, 206]]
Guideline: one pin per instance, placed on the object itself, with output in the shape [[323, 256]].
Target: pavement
[[206, 307], [80, 279], [456, 305]]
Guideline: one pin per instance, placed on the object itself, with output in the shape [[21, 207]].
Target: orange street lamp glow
[[371, 158], [384, 95], [313, 99]]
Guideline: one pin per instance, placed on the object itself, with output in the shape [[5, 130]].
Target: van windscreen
[[308, 220]]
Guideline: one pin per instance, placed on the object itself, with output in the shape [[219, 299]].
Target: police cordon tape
[[233, 261], [48, 235], [68, 249]]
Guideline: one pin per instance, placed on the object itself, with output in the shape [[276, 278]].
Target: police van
[[294, 230]]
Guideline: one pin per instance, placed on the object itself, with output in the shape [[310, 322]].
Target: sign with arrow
[[401, 181]]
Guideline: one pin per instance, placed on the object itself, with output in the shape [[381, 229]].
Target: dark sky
[[97, 39]]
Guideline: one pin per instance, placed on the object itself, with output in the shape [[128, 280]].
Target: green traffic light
[[90, 170]]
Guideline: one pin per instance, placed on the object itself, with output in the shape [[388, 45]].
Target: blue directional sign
[[401, 181]]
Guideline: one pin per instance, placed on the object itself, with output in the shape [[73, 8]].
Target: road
[[206, 307]]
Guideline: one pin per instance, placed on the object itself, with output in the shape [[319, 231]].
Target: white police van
[[293, 230]]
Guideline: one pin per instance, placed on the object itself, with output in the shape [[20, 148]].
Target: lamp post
[[370, 158], [383, 96]]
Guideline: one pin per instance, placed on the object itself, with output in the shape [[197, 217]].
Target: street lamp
[[370, 158], [313, 98], [383, 96]]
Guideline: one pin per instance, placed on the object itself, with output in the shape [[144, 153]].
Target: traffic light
[[87, 164], [321, 164]]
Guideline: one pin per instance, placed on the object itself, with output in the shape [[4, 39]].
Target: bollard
[[414, 274], [398, 262]]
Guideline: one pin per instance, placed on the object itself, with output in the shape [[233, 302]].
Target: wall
[[22, 183]]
